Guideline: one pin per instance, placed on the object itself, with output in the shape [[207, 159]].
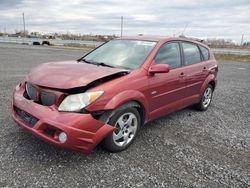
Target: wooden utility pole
[[24, 31], [121, 25]]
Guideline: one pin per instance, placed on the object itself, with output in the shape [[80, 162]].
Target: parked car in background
[[110, 93]]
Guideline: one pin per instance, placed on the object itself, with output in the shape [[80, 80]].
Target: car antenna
[[182, 34]]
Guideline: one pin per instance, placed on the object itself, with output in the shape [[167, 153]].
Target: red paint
[[159, 68], [69, 74], [159, 94]]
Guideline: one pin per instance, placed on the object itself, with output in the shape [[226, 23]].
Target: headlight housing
[[76, 102]]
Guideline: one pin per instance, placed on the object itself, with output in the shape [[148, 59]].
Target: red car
[[107, 95]]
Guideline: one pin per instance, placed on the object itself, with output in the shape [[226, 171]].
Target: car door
[[166, 89], [195, 72]]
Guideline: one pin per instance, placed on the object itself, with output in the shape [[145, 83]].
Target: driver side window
[[169, 54]]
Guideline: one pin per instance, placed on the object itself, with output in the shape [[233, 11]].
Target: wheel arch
[[139, 107], [132, 97], [212, 83], [210, 80]]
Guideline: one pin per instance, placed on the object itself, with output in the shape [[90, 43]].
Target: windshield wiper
[[103, 64], [97, 63], [86, 61]]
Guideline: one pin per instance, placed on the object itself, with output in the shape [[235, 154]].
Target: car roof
[[162, 39], [146, 38]]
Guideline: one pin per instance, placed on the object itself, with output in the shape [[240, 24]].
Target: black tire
[[111, 118], [201, 105], [36, 43], [46, 43]]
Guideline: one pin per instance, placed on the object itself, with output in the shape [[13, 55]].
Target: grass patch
[[232, 57]]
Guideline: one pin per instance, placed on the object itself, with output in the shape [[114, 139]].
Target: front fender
[[126, 96]]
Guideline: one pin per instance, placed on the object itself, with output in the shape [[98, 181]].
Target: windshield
[[129, 54]]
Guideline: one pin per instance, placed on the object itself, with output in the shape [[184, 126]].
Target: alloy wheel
[[126, 125], [207, 97]]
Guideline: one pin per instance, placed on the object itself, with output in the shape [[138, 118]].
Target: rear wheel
[[205, 99], [127, 121]]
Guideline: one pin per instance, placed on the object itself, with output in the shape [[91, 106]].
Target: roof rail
[[196, 39]]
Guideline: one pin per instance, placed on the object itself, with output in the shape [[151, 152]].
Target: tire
[[206, 99], [46, 43], [36, 43], [127, 119]]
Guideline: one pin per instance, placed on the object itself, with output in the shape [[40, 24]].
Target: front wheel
[[205, 99], [127, 121]]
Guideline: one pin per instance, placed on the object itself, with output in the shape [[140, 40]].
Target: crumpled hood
[[68, 74]]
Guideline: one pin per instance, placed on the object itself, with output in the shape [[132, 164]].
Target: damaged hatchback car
[[107, 95]]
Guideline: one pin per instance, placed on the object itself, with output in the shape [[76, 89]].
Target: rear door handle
[[182, 75]]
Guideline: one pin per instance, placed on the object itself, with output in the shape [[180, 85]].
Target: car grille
[[26, 117], [40, 96]]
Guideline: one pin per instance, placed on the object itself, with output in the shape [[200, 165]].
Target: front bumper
[[83, 131]]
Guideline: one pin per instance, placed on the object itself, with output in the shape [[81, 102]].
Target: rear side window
[[169, 54], [191, 53], [205, 53]]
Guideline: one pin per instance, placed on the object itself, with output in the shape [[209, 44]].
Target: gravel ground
[[185, 149]]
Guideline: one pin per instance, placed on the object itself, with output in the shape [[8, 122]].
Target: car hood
[[68, 74]]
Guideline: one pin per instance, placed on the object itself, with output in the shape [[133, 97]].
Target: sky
[[227, 19]]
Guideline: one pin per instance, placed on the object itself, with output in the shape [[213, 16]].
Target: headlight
[[74, 103]]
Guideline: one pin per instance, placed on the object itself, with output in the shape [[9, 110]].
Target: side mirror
[[159, 68]]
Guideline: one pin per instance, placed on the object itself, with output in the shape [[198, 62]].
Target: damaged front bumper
[[46, 122]]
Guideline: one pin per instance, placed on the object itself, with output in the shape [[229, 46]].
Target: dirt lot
[[185, 149]]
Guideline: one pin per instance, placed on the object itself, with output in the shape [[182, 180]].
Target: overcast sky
[[204, 18]]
